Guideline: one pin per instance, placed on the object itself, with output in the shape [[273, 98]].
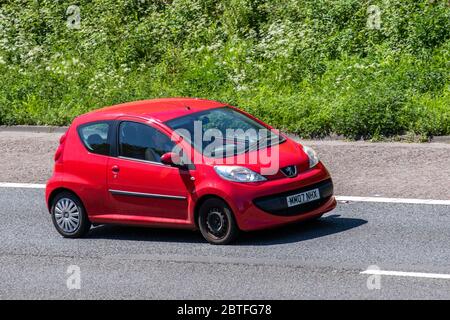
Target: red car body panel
[[94, 178]]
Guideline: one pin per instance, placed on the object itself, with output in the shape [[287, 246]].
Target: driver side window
[[142, 142]]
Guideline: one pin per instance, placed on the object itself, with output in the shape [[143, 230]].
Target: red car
[[183, 163]]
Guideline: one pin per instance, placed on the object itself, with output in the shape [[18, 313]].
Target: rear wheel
[[216, 222], [69, 216]]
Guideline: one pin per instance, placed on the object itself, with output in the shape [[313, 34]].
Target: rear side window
[[95, 137]]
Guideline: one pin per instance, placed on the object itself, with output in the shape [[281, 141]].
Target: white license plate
[[303, 197]]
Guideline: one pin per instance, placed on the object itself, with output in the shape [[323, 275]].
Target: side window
[[95, 137], [140, 141]]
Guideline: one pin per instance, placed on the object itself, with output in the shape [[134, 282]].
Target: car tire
[[216, 222], [69, 216]]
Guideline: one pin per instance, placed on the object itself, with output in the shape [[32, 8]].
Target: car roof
[[163, 109]]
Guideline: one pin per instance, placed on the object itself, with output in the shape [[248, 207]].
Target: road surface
[[320, 260]]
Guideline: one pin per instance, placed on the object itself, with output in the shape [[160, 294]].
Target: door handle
[[115, 169]]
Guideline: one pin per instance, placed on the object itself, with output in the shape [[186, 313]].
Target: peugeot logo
[[289, 171]]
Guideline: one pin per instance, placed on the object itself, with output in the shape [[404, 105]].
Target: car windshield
[[223, 132]]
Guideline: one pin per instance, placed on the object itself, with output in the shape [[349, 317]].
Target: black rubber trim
[[145, 195], [277, 204]]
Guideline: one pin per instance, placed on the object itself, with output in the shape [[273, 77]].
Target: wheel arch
[[202, 200], [57, 191]]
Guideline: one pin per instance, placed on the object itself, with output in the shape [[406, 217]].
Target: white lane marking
[[393, 200], [22, 185], [338, 198], [407, 274]]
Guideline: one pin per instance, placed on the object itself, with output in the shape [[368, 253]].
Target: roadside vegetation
[[362, 69]]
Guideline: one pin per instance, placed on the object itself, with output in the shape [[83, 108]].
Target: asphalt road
[[316, 260]]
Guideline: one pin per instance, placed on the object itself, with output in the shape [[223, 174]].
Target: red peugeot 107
[[185, 163]]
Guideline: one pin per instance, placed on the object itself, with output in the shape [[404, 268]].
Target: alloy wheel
[[67, 215]]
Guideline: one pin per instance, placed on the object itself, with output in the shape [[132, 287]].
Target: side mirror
[[172, 159]]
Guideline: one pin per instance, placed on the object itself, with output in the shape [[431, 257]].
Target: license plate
[[303, 197]]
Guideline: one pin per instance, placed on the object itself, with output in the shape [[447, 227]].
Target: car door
[[138, 183], [85, 163]]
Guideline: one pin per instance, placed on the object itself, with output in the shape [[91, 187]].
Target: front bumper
[[277, 204], [265, 206], [256, 219]]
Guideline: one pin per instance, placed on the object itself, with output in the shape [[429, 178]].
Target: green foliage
[[311, 67]]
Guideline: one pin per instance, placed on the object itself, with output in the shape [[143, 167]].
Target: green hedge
[[311, 67]]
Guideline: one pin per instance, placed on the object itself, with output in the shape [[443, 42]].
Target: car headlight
[[238, 174], [312, 155]]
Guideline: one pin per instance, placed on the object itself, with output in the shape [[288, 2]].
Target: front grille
[[276, 204]]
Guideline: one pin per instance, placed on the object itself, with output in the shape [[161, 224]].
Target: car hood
[[268, 161]]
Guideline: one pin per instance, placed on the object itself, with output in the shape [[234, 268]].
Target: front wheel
[[216, 222], [68, 216]]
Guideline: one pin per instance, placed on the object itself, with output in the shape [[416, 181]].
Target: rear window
[[95, 137]]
